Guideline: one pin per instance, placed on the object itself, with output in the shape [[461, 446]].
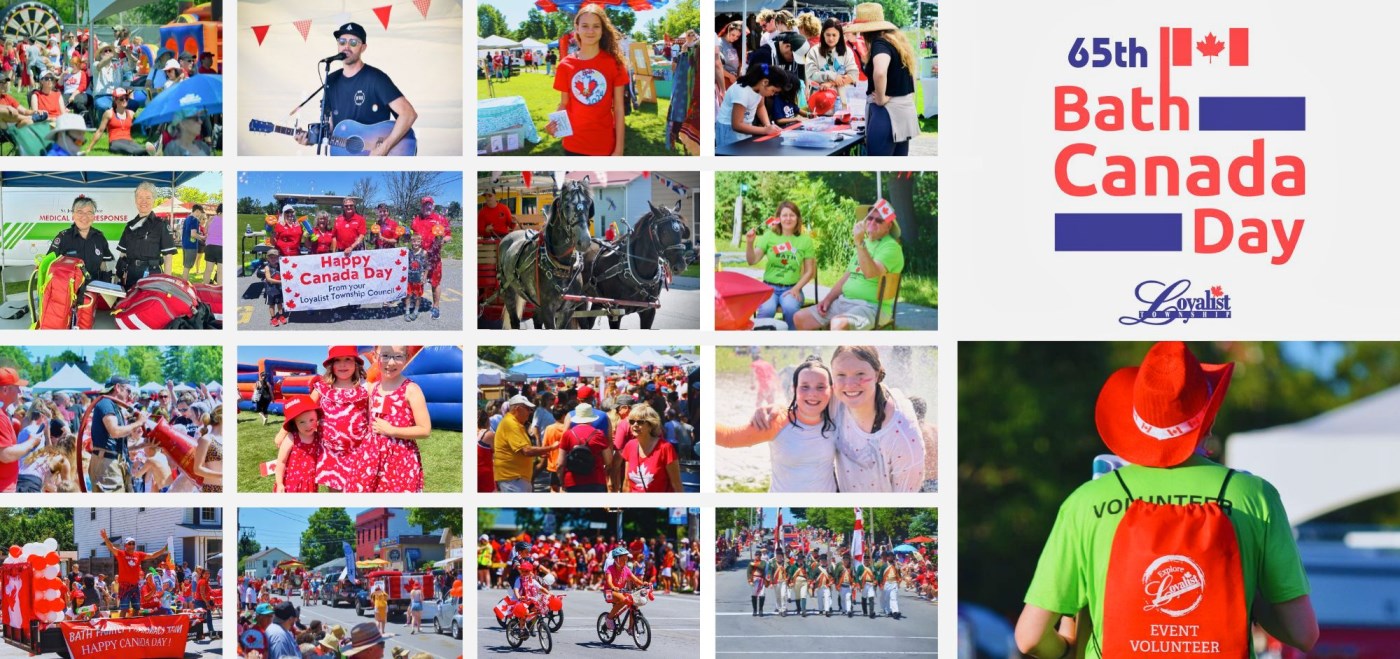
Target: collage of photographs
[[808, 466]]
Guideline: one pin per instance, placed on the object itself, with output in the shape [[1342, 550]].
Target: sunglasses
[[353, 43]]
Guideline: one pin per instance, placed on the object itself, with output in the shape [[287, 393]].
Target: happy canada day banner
[[149, 637]]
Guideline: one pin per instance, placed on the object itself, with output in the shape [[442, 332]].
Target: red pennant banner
[[383, 14], [260, 31], [527, 176], [304, 27], [422, 6]]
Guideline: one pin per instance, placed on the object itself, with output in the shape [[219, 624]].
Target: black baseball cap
[[285, 611], [352, 29]]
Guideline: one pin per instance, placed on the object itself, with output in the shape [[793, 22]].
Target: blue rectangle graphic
[[1118, 232], [1253, 112]]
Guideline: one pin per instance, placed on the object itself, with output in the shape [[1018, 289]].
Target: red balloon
[[555, 604], [52, 558], [35, 561], [518, 610], [15, 551]]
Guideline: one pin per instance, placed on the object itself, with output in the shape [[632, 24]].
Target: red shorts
[[416, 289], [436, 276]]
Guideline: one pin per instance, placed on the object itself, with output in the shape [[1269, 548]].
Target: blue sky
[[281, 527], [262, 185], [516, 11]]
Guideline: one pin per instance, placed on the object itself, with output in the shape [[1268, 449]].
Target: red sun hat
[[336, 352], [1155, 414], [296, 407]]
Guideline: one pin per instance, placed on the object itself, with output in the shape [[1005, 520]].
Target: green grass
[[927, 125], [692, 271], [100, 149], [723, 484], [646, 126], [442, 456]]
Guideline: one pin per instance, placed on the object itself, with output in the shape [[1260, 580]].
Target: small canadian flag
[[269, 468], [1235, 46], [884, 209]]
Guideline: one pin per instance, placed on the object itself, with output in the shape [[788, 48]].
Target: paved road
[[739, 633], [252, 313], [675, 627], [680, 309], [397, 633]]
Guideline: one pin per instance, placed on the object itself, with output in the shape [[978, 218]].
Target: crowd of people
[[575, 562], [148, 244], [146, 584], [74, 82], [802, 66], [817, 564], [844, 429], [631, 434], [424, 236], [276, 632], [39, 449], [350, 434]]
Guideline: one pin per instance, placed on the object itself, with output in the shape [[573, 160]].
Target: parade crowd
[[577, 563], [38, 447], [628, 434]]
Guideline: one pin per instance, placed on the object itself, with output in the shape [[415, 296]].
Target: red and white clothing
[[348, 228], [391, 464], [426, 228], [591, 85], [344, 427], [649, 473], [129, 568], [287, 238], [299, 474]]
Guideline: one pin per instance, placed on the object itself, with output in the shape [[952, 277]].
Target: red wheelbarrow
[[737, 297]]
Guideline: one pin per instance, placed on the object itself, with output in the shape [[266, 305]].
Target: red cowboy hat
[[1154, 414], [295, 408], [336, 352]]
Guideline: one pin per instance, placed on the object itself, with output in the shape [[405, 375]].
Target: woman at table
[[831, 65], [790, 262], [891, 118], [727, 58], [742, 112], [592, 84]]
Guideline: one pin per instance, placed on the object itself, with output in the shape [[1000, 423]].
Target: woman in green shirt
[[791, 262]]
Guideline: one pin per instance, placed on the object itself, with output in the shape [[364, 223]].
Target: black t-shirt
[[146, 239], [364, 98], [898, 80], [94, 250]]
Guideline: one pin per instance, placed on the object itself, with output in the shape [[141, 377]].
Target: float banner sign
[[331, 281], [149, 637]]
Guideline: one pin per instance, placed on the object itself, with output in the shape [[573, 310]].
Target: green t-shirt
[[885, 251], [796, 570], [1073, 568], [783, 256]]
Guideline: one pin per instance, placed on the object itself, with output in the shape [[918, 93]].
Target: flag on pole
[[349, 561], [778, 530], [858, 538]]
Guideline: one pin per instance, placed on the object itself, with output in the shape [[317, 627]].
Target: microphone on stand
[[333, 58]]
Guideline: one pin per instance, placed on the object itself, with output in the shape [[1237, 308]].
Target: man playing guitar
[[359, 92]]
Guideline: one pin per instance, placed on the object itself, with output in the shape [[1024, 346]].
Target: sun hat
[[118, 92], [171, 65], [296, 408], [264, 609], [333, 638], [1155, 414], [363, 636], [336, 352], [869, 17], [584, 413]]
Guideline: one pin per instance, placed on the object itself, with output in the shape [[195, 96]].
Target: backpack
[[163, 302], [580, 461], [1175, 581], [58, 297]]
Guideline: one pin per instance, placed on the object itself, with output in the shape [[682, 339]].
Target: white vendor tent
[[566, 356], [495, 42], [631, 357], [69, 378], [1330, 461], [653, 357], [531, 44]]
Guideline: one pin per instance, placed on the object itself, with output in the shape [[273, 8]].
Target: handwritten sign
[[138, 638], [331, 281]]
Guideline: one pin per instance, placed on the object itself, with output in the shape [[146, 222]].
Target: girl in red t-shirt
[[592, 86]]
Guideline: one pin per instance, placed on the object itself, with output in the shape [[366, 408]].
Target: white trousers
[[846, 598], [824, 598], [891, 599]]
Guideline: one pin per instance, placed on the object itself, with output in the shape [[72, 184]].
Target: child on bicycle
[[618, 576]]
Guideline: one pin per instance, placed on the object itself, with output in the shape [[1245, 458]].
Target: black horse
[[633, 267], [541, 268]]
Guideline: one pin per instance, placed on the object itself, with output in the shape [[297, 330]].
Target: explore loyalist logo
[[1168, 303], [1174, 585]]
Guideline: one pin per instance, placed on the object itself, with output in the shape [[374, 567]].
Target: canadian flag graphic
[[1235, 46]]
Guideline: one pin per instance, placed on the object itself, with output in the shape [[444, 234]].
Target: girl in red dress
[[344, 402], [301, 453], [400, 418]]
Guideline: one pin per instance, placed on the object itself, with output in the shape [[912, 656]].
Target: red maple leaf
[[1210, 46], [1217, 291]]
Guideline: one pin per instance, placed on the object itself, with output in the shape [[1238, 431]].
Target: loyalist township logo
[[1183, 199], [1170, 302], [1174, 585], [588, 86]]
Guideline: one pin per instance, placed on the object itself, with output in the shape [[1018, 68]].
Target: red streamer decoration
[[260, 31], [383, 14]]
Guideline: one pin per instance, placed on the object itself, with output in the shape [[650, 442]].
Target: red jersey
[[129, 567], [426, 227], [6, 99], [649, 474], [348, 229], [287, 238], [150, 597], [591, 85], [322, 242], [497, 218]]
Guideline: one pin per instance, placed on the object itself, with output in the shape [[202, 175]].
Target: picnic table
[[749, 146]]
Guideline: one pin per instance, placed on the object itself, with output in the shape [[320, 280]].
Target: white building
[[261, 564], [197, 534]]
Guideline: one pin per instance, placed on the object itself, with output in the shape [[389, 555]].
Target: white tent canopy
[[566, 356], [1330, 461], [531, 44], [214, 385], [69, 378], [631, 357], [150, 388], [654, 357], [495, 42]]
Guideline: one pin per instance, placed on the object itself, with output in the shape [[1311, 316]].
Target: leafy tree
[[16, 357], [899, 12], [145, 363], [190, 195], [682, 16], [613, 350], [533, 27], [248, 545], [326, 529], [454, 210], [485, 518], [108, 362], [622, 19], [248, 206], [489, 21], [435, 519], [500, 355], [19, 526], [203, 364]]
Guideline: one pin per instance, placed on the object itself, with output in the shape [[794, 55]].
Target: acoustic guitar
[[348, 138]]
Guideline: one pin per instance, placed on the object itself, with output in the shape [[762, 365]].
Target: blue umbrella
[[204, 91], [904, 549]]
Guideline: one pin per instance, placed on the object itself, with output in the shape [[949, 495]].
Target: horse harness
[[626, 269]]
